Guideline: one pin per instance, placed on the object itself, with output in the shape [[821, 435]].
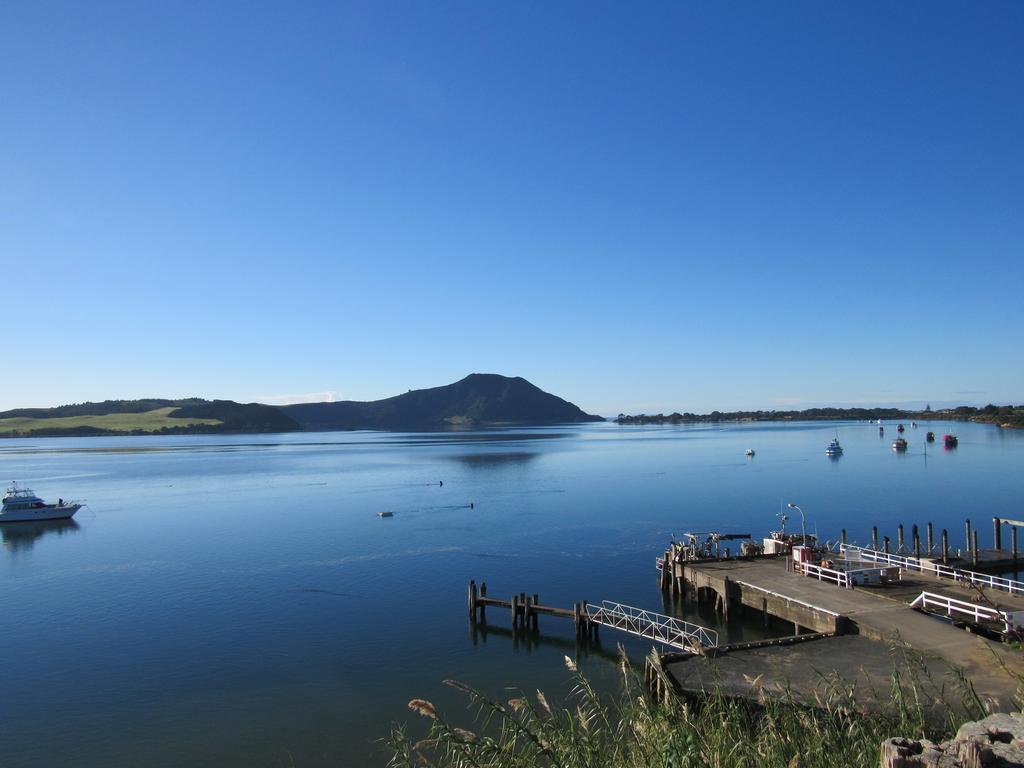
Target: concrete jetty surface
[[879, 618]]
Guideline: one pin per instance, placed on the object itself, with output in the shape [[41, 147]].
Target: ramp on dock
[[675, 633]]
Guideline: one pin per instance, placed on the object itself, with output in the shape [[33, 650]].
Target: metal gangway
[[676, 633]]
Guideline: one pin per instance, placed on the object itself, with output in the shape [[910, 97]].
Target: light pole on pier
[[803, 522]]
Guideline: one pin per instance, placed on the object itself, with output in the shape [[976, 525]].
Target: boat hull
[[49, 512]]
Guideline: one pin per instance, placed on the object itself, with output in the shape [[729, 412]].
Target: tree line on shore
[[1003, 415]]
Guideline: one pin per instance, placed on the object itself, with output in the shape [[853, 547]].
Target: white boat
[[750, 451], [21, 505], [834, 448]]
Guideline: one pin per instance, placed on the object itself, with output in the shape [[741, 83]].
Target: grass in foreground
[[638, 731]]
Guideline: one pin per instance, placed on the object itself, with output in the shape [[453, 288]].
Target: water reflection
[[530, 639], [493, 460], [20, 537]]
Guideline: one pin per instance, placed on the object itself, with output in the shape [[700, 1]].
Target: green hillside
[[147, 421], [478, 399], [135, 417]]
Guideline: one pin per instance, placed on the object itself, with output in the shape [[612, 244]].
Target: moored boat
[[951, 441], [22, 505], [749, 452], [899, 444], [834, 448], [899, 428], [930, 437]]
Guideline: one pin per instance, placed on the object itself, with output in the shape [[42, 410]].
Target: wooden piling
[[472, 599], [1013, 543], [843, 536], [997, 533], [917, 542], [945, 547], [515, 609], [967, 528], [885, 544], [931, 541], [874, 537], [974, 551], [899, 538]]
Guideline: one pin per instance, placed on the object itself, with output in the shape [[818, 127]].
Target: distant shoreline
[[1006, 416]]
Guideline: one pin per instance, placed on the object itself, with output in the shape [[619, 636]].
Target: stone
[[995, 742]]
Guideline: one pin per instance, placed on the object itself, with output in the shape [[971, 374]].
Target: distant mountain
[[145, 417], [478, 399]]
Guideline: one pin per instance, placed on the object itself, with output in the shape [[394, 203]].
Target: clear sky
[[637, 207]]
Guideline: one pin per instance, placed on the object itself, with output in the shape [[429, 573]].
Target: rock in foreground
[[995, 742]]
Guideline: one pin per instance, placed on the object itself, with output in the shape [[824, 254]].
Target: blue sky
[[639, 208]]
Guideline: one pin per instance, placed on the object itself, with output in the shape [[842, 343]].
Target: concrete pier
[[880, 616]]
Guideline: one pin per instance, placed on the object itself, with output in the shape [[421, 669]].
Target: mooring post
[[843, 536], [917, 543], [899, 538], [874, 537], [967, 527], [974, 551], [483, 594], [997, 533], [666, 574], [945, 547], [472, 599], [514, 602], [725, 597], [931, 541], [885, 544], [1013, 543], [536, 602]]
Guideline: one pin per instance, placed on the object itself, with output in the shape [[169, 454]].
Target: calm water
[[229, 601]]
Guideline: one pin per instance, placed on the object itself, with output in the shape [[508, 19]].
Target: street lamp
[[803, 522]]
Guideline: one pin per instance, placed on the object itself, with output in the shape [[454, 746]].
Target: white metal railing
[[787, 598], [940, 570], [656, 626], [823, 574], [977, 613]]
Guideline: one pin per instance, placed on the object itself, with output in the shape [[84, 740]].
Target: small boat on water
[[834, 448], [881, 430], [899, 428], [899, 444], [951, 441], [930, 437], [21, 505], [749, 452]]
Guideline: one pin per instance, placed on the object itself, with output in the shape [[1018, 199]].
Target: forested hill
[[478, 399], [144, 417]]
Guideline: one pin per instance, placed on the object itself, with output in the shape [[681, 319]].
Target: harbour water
[[236, 600]]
